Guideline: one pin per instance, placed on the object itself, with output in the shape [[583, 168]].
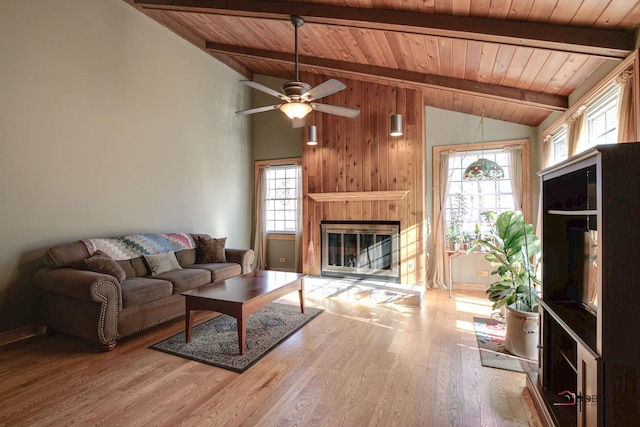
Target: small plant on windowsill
[[455, 232], [454, 238]]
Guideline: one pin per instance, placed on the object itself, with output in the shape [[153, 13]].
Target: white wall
[[111, 124], [443, 127]]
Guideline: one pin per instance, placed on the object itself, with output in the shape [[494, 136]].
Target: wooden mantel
[[360, 196]]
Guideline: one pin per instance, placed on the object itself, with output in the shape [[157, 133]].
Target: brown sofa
[[102, 308]]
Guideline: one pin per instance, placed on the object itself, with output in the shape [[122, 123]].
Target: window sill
[[281, 236]]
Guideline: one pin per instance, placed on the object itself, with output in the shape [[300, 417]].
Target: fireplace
[[365, 249]]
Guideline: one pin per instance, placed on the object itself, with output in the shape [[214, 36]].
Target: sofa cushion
[[140, 267], [127, 266], [140, 290], [103, 263], [220, 271], [186, 257], [162, 262], [185, 279], [210, 250]]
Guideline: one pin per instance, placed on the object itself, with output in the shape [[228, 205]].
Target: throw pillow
[[100, 262], [210, 250], [162, 262]]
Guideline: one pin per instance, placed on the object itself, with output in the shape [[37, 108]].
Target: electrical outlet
[[483, 273], [283, 260]]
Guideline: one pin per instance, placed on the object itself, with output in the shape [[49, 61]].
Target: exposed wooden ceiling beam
[[544, 101], [613, 44]]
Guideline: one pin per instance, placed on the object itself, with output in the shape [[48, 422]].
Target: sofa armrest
[[244, 257], [81, 284], [81, 303]]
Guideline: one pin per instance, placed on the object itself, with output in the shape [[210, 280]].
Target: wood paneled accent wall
[[359, 156]]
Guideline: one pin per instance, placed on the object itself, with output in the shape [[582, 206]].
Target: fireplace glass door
[[360, 249]]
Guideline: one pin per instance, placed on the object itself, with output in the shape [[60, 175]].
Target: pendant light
[[483, 169], [396, 120], [312, 135]]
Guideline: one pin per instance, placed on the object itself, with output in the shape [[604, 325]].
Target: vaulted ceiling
[[515, 60]]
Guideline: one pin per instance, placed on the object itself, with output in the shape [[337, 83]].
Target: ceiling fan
[[298, 97]]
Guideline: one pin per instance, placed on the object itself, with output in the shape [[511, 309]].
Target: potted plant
[[514, 251], [455, 232], [454, 239]]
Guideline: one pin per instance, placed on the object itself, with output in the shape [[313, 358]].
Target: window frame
[[272, 191], [608, 96], [630, 63], [561, 134], [526, 178], [292, 161], [462, 159]]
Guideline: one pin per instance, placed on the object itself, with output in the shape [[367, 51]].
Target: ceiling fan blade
[[324, 89], [298, 123], [336, 110], [259, 109], [265, 89]]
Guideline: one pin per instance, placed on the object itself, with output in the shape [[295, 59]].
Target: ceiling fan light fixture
[[312, 135], [296, 110]]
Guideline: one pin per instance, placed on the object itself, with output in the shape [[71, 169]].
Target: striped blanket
[[135, 245]]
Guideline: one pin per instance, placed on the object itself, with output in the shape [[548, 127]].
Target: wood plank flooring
[[354, 365]]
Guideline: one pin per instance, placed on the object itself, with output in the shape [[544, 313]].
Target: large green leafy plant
[[514, 251]]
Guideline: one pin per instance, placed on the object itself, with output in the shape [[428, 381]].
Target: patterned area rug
[[490, 335], [215, 341]]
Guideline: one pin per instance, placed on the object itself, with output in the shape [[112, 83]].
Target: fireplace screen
[[362, 249]]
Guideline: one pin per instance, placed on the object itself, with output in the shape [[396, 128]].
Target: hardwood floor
[[354, 365]]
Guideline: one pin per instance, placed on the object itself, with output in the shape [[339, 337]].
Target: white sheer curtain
[[575, 132], [437, 279], [547, 151], [299, 223], [515, 173], [627, 131], [260, 239], [547, 156]]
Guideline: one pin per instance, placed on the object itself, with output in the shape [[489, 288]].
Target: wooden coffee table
[[242, 296]]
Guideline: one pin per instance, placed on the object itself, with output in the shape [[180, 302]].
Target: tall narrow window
[[560, 146], [602, 119], [281, 199]]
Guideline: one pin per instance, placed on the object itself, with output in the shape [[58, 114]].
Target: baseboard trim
[[21, 333], [469, 287], [538, 402]]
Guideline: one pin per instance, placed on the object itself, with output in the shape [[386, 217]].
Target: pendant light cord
[[396, 99], [296, 42], [482, 132]]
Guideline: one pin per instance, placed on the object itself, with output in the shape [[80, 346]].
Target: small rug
[[215, 341], [490, 334]]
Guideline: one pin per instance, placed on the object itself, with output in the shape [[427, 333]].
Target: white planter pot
[[521, 337]]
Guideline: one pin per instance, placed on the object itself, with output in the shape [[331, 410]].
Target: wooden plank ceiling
[[518, 60]]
